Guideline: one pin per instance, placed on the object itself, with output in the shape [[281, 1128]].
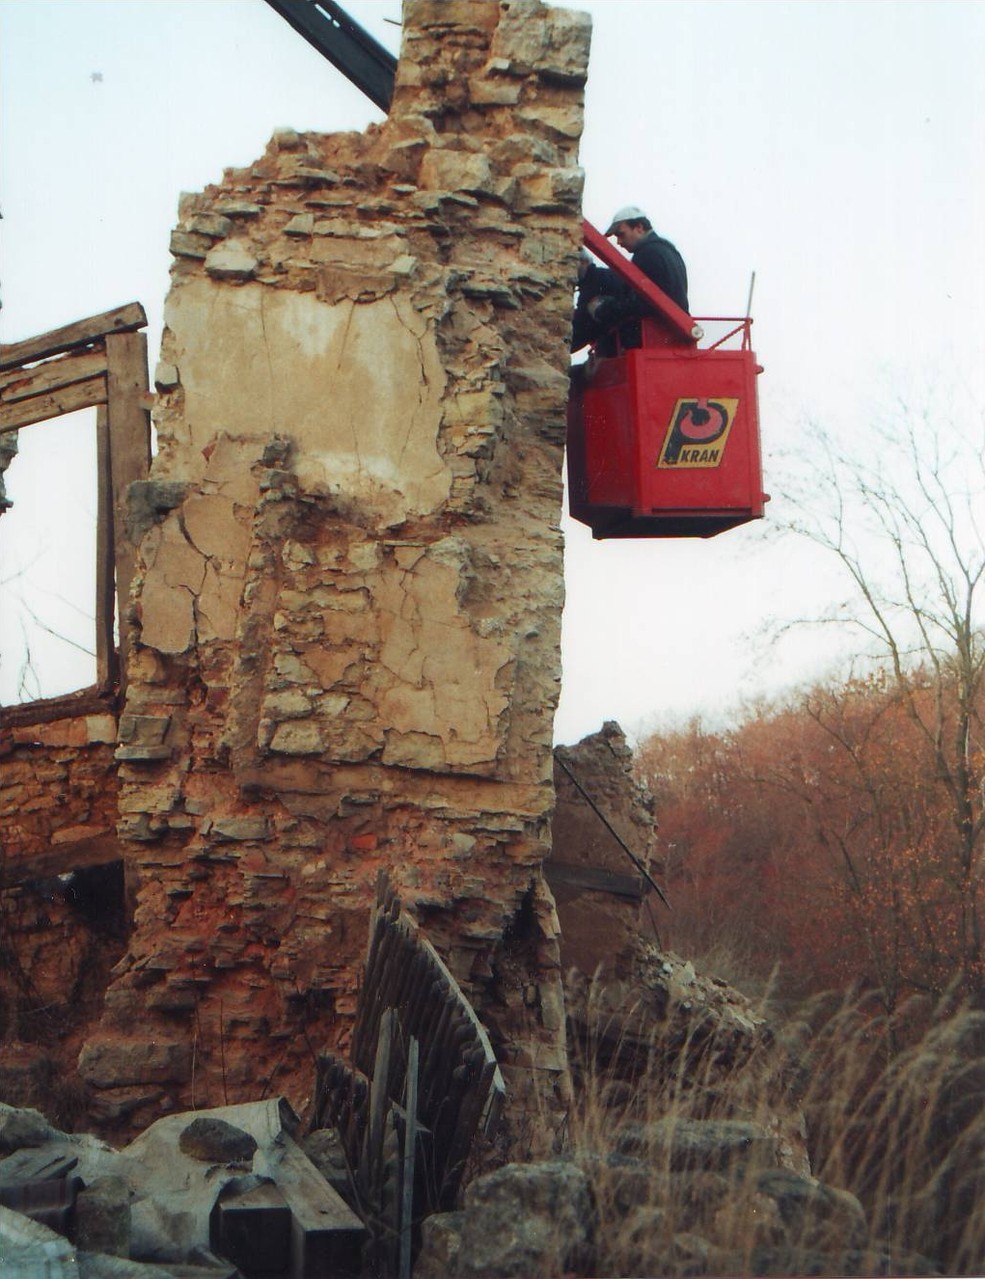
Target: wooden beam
[[408, 1172], [50, 1163], [105, 555], [59, 859], [122, 319], [129, 447], [42, 379], [86, 701], [81, 395], [326, 1235]]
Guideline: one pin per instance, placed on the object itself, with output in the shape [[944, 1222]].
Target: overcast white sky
[[836, 148]]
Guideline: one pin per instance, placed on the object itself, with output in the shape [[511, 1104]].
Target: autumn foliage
[[834, 839]]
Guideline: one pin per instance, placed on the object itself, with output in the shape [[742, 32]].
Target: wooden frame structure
[[422, 1085], [101, 363]]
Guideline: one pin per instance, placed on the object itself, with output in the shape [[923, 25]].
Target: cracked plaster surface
[[363, 403]]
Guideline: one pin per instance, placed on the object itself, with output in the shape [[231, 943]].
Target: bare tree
[[904, 515]]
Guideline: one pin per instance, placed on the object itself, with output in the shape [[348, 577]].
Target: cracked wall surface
[[349, 586]]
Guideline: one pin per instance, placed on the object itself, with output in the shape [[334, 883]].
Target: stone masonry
[[349, 586], [602, 814]]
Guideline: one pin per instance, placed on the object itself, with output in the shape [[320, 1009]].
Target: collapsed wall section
[[347, 605], [603, 848]]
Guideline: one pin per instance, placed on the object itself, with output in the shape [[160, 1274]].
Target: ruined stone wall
[[602, 811], [349, 588], [57, 786], [59, 935]]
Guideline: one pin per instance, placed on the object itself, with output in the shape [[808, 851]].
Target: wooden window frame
[[101, 363]]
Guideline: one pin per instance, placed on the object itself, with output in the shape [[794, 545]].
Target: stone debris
[[102, 1217], [217, 1142], [522, 1220], [177, 1196], [563, 1218]]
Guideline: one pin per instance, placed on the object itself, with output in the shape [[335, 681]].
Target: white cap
[[628, 213]]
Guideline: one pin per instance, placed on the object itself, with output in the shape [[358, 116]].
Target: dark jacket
[[659, 261]]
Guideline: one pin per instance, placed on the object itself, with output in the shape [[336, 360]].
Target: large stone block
[[535, 39], [113, 1062]]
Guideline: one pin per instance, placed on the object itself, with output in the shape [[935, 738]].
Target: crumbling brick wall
[[57, 786], [347, 605], [59, 932]]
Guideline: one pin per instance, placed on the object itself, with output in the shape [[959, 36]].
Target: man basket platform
[[663, 438]]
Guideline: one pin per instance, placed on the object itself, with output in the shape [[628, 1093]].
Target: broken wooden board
[[122, 319], [39, 408], [597, 879], [44, 379]]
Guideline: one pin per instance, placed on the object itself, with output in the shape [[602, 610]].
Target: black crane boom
[[360, 57]]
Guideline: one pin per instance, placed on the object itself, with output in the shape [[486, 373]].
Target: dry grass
[[698, 1169]]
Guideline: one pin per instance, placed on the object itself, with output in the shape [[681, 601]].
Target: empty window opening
[[76, 399], [48, 561]]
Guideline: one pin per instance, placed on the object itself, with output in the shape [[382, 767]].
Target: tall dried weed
[[841, 1144]]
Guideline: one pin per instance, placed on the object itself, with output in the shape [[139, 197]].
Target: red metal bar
[[741, 326], [682, 325]]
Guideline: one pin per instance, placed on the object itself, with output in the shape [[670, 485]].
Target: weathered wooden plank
[[409, 1169], [43, 379], [105, 555], [87, 701], [59, 859], [129, 446], [386, 1236], [467, 1123], [326, 1233], [49, 1163], [378, 1098], [498, 1085], [121, 319], [81, 395], [50, 1202], [370, 1005]]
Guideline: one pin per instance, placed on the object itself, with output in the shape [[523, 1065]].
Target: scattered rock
[[230, 260], [23, 1128], [102, 1217], [522, 1220], [815, 1215], [217, 1142], [681, 1144], [115, 1062], [324, 1148]]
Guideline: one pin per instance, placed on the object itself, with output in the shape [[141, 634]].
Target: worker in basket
[[606, 302]]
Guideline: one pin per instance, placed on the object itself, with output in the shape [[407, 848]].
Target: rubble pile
[[219, 1193]]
